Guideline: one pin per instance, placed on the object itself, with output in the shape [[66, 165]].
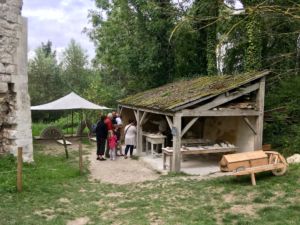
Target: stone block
[[10, 134], [11, 120], [5, 78], [3, 87], [10, 69], [2, 68], [6, 58]]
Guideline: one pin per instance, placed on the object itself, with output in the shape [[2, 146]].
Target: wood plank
[[169, 122], [200, 151], [189, 125], [177, 144], [194, 141], [245, 156], [246, 120], [222, 99], [223, 112]]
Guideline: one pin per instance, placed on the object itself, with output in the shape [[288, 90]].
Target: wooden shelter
[[229, 108]]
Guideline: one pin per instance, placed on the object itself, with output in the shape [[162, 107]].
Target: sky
[[58, 21]]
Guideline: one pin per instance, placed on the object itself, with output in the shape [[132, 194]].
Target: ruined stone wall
[[15, 115]]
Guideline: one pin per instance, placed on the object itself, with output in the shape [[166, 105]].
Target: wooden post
[[72, 123], [253, 181], [19, 169], [176, 130], [80, 157], [260, 100], [65, 146], [139, 133]]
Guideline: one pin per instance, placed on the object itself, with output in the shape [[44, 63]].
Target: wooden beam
[[143, 117], [223, 112], [189, 125], [222, 99], [246, 120], [148, 110], [169, 122], [176, 143], [260, 101]]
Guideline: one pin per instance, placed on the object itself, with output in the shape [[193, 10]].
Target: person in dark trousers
[[130, 137], [101, 136], [109, 125]]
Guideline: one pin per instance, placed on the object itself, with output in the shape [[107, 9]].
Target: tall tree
[[75, 67], [44, 75], [132, 42]]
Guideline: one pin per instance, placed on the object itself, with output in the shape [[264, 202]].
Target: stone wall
[[15, 115]]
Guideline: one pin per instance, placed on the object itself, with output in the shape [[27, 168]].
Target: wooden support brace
[[143, 117], [249, 125], [169, 122], [136, 115], [189, 125]]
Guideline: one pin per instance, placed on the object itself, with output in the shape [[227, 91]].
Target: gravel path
[[120, 171]]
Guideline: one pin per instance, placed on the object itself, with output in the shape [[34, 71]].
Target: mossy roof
[[173, 95]]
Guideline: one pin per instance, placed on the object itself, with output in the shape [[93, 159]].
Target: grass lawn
[[54, 193]]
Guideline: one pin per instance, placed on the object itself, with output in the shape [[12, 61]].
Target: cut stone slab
[[62, 142]]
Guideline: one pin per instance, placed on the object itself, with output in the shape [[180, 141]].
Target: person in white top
[[130, 137]]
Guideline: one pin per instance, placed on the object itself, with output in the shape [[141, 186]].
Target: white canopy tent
[[70, 101]]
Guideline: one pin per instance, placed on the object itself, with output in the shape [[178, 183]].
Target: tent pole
[[72, 123], [80, 148]]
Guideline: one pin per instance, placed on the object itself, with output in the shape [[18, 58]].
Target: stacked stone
[[9, 12], [14, 99]]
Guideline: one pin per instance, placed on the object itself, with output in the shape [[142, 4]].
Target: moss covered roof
[[173, 95]]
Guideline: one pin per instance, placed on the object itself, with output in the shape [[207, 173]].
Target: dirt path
[[120, 171]]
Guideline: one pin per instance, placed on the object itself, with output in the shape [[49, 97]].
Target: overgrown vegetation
[[144, 44], [55, 193]]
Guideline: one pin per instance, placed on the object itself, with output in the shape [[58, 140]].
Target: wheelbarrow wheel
[[279, 172], [274, 159]]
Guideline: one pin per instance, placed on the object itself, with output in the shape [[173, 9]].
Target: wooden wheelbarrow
[[254, 162]]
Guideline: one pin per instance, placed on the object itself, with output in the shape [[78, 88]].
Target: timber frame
[[208, 106]]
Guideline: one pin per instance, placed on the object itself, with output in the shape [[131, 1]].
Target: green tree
[[44, 81], [44, 75], [75, 69], [132, 43]]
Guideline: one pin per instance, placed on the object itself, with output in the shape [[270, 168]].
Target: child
[[112, 143]]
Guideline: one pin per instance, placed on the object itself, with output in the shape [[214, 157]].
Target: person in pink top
[[112, 143]]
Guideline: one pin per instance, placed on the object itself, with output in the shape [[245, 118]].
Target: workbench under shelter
[[226, 111]]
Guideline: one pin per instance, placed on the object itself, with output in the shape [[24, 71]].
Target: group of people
[[108, 136]]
